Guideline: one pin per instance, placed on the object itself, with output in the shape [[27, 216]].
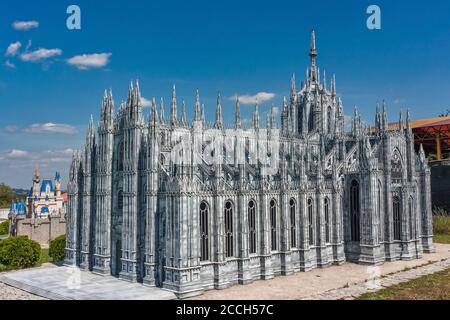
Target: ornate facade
[[190, 206]]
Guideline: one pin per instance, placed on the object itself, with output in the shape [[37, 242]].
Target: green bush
[[57, 250], [19, 252], [4, 227]]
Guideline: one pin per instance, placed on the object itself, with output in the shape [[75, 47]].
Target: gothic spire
[[293, 91], [385, 119], [400, 122], [333, 86], [218, 124], [161, 111], [110, 106], [356, 123], [130, 97], [408, 122], [422, 156], [256, 116], [197, 106], [313, 55], [203, 116], [272, 117], [90, 132], [377, 118], [238, 114], [137, 95], [183, 113], [153, 120], [173, 110], [324, 80]]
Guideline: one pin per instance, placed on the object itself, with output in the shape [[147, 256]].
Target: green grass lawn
[[442, 238], [431, 287], [435, 286], [44, 257]]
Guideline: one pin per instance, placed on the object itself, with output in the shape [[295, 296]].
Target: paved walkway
[[67, 283], [335, 282]]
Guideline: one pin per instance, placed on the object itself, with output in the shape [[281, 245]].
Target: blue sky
[[234, 47]]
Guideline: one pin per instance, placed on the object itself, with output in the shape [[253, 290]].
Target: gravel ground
[[11, 293], [335, 282]]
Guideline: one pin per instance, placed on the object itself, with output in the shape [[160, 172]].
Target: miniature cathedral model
[[156, 202]]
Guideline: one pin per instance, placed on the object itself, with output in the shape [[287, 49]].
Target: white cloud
[[13, 48], [9, 64], [248, 99], [145, 102], [25, 25], [15, 153], [88, 61], [40, 54], [51, 128]]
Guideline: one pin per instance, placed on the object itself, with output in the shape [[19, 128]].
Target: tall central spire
[[173, 110], [313, 55]]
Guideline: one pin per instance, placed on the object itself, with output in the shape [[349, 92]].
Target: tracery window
[[292, 208], [310, 222], [204, 232], [396, 208], [326, 207], [396, 168], [252, 226], [273, 225], [354, 210], [229, 252], [411, 219], [120, 199]]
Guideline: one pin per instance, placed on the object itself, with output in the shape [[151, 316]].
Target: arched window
[[120, 157], [252, 226], [273, 224], [311, 119], [329, 120], [397, 218], [293, 226], [412, 219], [354, 210], [229, 229], [326, 207], [120, 200], [396, 167], [310, 222], [379, 208], [204, 232]]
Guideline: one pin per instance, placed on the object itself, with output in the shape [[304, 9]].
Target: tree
[[57, 250], [6, 195], [445, 114], [4, 227]]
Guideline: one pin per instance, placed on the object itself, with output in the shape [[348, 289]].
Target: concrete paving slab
[[71, 284]]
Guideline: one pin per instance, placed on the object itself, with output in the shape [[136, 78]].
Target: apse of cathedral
[[189, 206]]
